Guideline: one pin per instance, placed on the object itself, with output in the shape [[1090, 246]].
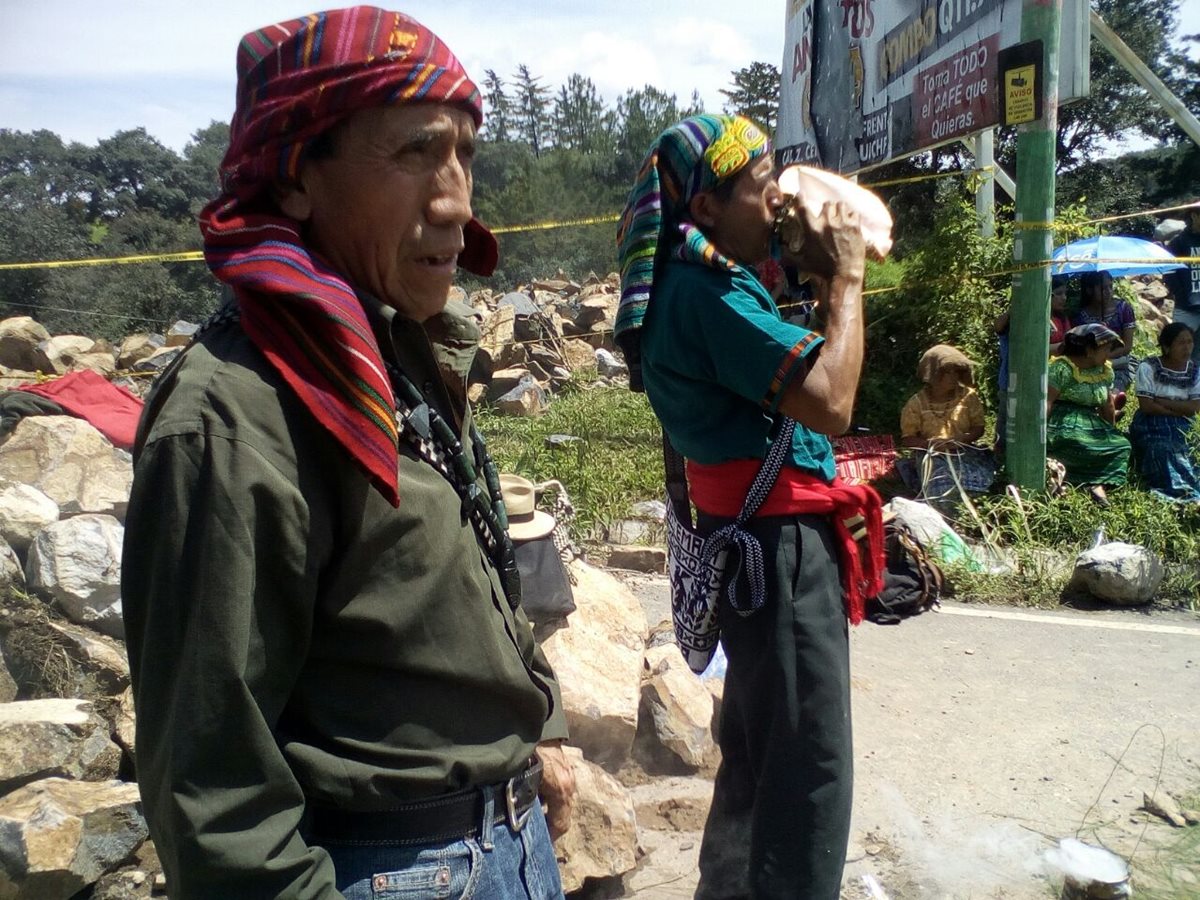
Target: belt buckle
[[516, 821]]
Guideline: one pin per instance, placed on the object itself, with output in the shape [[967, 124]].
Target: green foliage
[[1066, 524], [755, 94], [943, 292], [616, 462]]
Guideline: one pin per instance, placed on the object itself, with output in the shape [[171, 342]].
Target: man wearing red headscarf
[[337, 692]]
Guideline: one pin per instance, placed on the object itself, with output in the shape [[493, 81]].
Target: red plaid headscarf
[[296, 80]]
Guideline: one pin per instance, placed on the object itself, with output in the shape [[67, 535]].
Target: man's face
[[387, 209], [741, 226]]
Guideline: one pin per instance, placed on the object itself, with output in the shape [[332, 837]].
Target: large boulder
[[59, 837], [54, 739], [677, 708], [71, 462], [70, 352], [602, 841], [1118, 573], [77, 564], [597, 658], [19, 339], [24, 511]]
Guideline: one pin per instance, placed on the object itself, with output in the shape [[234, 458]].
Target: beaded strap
[[434, 442]]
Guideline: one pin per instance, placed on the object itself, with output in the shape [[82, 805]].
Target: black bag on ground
[[545, 584], [912, 580]]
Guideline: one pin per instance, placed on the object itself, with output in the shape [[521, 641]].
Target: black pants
[[780, 817]]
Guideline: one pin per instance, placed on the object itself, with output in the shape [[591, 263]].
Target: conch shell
[[811, 189]]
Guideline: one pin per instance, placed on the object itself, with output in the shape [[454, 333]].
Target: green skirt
[[1093, 451]]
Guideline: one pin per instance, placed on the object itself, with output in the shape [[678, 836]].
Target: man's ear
[[704, 209], [293, 199]]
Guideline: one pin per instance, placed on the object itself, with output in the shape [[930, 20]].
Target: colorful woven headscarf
[[296, 80], [688, 158]]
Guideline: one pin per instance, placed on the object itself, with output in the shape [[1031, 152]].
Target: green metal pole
[[1029, 333]]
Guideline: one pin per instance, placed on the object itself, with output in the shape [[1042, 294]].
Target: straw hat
[[525, 523]]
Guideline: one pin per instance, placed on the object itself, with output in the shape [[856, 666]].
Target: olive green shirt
[[293, 637]]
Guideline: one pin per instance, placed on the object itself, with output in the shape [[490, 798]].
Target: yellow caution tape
[[188, 256], [546, 226]]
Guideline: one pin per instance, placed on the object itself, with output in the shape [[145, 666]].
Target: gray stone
[[654, 510], [125, 723], [527, 398], [504, 380], [578, 355], [24, 511], [8, 686], [59, 837], [602, 841], [597, 659], [609, 366], [522, 304], [54, 738], [77, 564], [11, 572], [137, 347], [19, 339], [158, 360], [562, 441], [638, 559], [497, 342], [630, 531], [1118, 573], [100, 658], [71, 352], [180, 334], [594, 310], [69, 461], [677, 707]]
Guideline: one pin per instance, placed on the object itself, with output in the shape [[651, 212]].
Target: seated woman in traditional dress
[[942, 422], [1168, 392], [1099, 306], [1080, 415]]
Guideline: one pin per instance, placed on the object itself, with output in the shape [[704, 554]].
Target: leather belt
[[444, 818]]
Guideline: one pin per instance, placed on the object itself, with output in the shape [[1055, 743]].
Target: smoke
[[953, 854]]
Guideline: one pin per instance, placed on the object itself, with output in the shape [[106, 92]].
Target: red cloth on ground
[[864, 458], [113, 410], [720, 490]]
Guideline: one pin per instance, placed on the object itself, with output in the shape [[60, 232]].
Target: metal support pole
[[1029, 334], [985, 193], [1173, 106]]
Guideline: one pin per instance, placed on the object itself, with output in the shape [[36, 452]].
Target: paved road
[[984, 734]]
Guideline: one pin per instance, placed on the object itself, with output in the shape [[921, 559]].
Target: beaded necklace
[[434, 442]]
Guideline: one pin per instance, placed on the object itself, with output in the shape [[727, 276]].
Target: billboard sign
[[867, 81]]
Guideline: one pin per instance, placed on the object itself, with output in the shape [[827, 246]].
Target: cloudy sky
[[86, 71]]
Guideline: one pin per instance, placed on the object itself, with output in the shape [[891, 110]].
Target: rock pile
[[70, 817]]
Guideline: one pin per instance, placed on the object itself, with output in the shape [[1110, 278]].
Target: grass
[[1040, 534], [616, 462], [1173, 870]]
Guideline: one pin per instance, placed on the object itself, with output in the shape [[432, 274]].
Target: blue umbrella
[[1120, 256]]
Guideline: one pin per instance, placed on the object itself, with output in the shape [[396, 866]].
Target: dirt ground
[[983, 736]]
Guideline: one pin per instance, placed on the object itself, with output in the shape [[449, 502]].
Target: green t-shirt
[[716, 359]]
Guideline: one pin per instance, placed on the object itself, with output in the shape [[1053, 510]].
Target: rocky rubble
[[70, 816]]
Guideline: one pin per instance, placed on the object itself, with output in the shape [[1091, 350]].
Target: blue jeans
[[508, 866]]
